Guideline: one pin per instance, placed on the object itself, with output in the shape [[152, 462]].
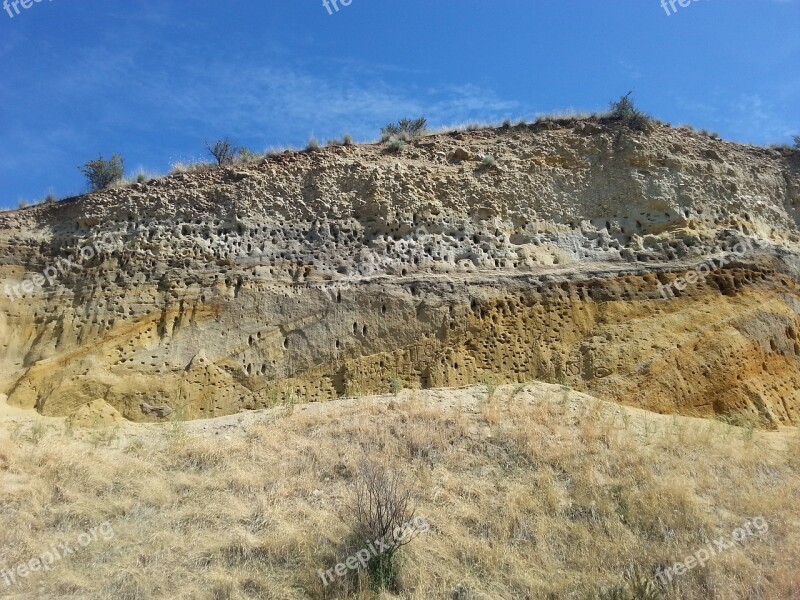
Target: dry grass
[[570, 115], [533, 492], [191, 167]]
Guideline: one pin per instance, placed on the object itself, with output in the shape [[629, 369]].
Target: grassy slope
[[533, 492]]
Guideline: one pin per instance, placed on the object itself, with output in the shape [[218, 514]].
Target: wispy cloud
[[238, 97], [747, 117]]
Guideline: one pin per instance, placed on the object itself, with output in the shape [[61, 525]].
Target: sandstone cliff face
[[313, 275]]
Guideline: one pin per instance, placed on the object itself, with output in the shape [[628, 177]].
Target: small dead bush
[[381, 512], [223, 151]]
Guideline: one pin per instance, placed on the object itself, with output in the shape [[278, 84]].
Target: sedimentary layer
[[352, 270]]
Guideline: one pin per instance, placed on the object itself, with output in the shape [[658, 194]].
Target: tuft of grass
[[461, 127], [490, 385], [282, 398], [278, 150], [710, 134], [748, 421], [637, 587], [142, 176], [104, 437], [518, 389], [395, 386], [564, 116], [136, 447], [190, 167], [312, 145], [354, 390], [793, 451], [347, 140], [178, 434], [37, 433], [246, 156]]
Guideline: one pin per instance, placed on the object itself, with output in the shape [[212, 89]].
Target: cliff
[[657, 269]]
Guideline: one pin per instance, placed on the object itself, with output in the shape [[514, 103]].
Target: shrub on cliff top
[[223, 151], [395, 146], [796, 139], [404, 129], [102, 173], [625, 111]]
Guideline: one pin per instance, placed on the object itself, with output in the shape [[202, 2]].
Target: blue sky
[[153, 80]]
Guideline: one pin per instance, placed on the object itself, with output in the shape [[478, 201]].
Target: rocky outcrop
[[309, 276]]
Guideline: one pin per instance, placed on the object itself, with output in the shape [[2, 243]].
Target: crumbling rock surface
[[313, 275]]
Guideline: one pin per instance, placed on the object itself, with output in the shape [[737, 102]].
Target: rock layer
[[309, 276]]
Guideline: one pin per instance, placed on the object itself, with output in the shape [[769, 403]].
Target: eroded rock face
[[312, 275]]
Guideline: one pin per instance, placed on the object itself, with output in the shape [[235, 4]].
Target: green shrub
[[101, 173], [796, 139], [488, 160], [395, 145], [347, 140], [625, 111], [491, 385], [404, 129]]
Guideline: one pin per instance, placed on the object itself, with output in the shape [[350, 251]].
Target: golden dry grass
[[533, 492]]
